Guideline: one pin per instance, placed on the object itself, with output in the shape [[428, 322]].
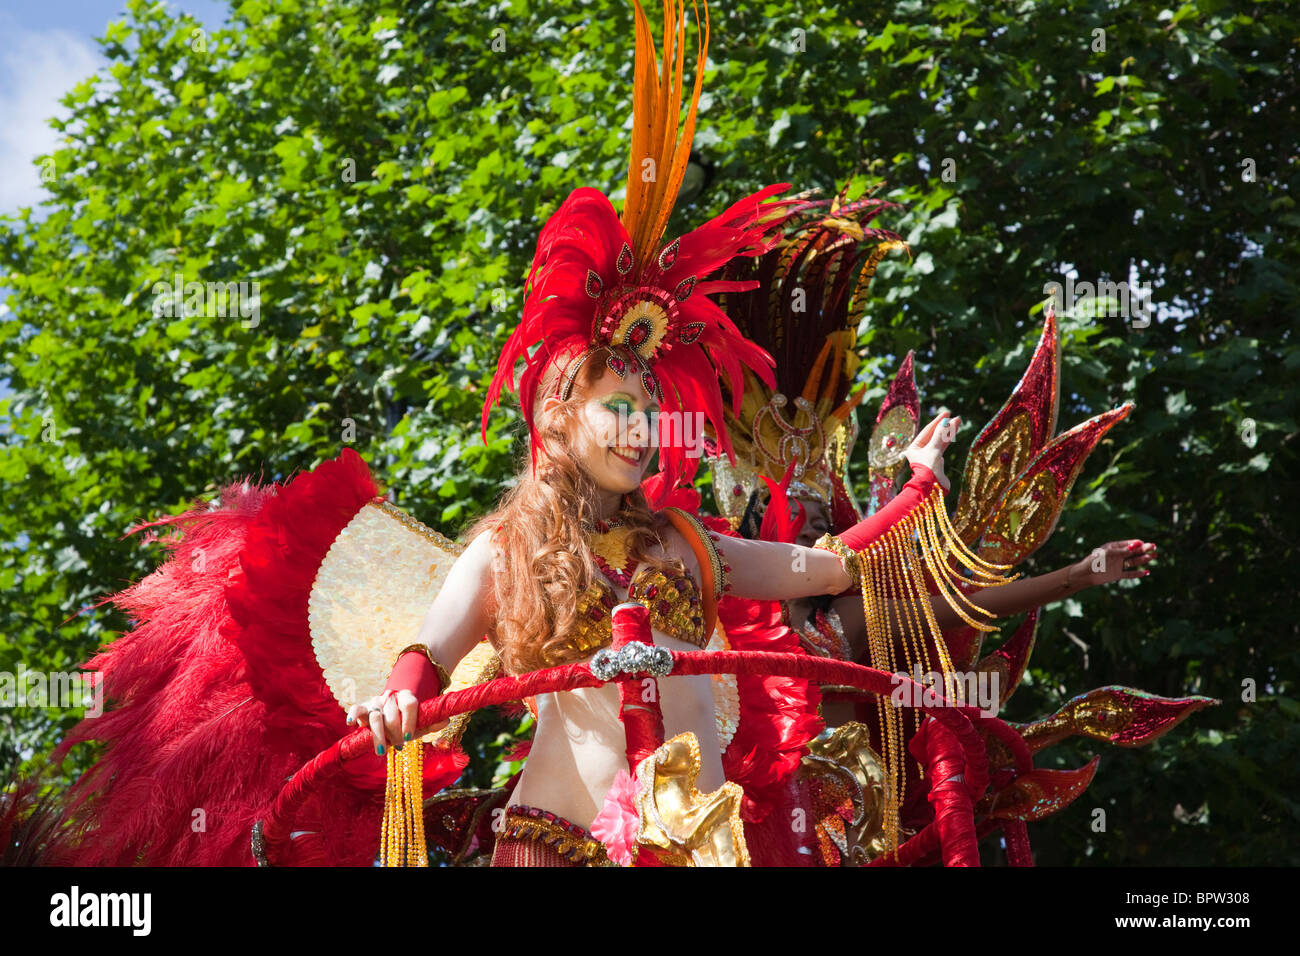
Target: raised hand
[[928, 447]]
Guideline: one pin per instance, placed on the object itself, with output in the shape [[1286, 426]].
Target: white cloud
[[36, 68]]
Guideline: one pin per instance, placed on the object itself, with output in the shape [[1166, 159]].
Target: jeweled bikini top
[[676, 603]]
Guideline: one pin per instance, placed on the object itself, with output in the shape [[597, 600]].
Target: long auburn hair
[[539, 528]]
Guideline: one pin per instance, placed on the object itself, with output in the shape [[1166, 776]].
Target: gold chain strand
[[915, 591], [893, 573], [934, 556], [873, 654], [897, 755], [952, 543], [891, 580], [898, 561], [940, 647], [914, 649], [879, 660], [955, 554], [969, 557], [911, 629], [401, 836], [949, 542], [414, 755], [864, 583], [404, 768], [953, 596], [942, 577], [387, 837], [911, 594]]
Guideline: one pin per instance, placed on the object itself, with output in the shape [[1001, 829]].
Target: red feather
[[575, 278], [215, 697], [777, 524]]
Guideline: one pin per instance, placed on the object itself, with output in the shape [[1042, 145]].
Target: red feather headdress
[[599, 279]]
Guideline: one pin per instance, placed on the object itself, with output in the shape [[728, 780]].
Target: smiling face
[[618, 439]]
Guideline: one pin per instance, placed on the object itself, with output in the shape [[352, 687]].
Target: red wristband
[[922, 474], [415, 672]]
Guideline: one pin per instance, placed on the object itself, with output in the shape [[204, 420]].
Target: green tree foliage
[[381, 170]]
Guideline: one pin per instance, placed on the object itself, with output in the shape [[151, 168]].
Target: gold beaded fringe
[[895, 603], [402, 835]]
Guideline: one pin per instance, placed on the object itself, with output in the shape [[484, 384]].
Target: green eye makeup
[[614, 404], [620, 400]]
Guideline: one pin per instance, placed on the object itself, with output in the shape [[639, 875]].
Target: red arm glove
[[414, 672], [911, 496]]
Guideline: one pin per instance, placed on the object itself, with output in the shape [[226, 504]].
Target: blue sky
[[46, 48]]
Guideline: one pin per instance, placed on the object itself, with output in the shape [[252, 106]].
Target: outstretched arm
[[774, 571], [1112, 561]]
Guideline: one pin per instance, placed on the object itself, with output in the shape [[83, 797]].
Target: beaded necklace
[[608, 547]]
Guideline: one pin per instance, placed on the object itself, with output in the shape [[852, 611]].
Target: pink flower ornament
[[618, 822]]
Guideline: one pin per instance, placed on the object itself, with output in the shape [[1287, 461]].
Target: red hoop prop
[[954, 751]]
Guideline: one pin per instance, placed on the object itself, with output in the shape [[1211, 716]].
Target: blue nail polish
[[381, 750]]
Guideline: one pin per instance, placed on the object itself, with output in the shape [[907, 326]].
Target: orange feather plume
[[660, 151]]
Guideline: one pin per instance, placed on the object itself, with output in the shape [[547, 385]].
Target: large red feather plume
[[215, 696]]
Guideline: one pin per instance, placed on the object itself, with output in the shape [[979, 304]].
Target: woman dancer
[[544, 544]]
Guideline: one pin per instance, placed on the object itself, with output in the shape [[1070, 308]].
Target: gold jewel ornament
[[683, 825], [612, 546], [574, 845], [848, 557]]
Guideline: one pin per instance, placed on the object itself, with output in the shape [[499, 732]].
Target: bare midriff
[[579, 743]]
